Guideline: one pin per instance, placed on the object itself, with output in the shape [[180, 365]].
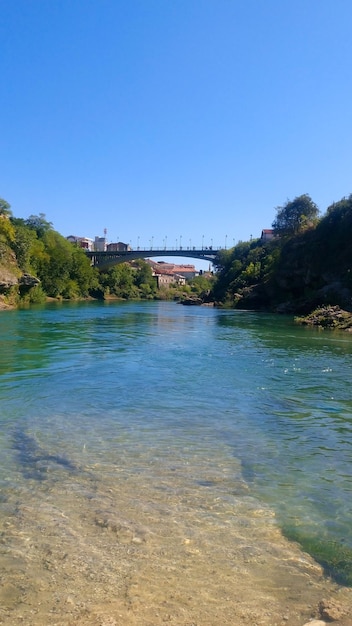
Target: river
[[154, 458]]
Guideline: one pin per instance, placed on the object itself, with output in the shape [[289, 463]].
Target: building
[[118, 247], [267, 234], [188, 271], [167, 278], [167, 274], [100, 244], [82, 242]]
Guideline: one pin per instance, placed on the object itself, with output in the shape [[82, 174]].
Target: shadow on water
[[34, 461]]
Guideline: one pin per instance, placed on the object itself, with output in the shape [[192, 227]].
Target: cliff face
[[7, 278], [9, 275], [12, 279]]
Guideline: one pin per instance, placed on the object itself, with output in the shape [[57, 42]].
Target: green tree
[[119, 281], [24, 244], [7, 231], [201, 284], [5, 208], [144, 275], [81, 271], [295, 215], [55, 271], [38, 256], [39, 224]]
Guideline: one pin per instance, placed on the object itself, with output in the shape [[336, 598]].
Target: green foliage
[[271, 259], [306, 268], [7, 231], [54, 268], [295, 215], [85, 276], [64, 270], [5, 208], [35, 295], [201, 285], [223, 258], [24, 244], [336, 230], [39, 224], [242, 268], [144, 279], [129, 281], [119, 281]]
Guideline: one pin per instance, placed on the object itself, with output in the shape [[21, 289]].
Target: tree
[[23, 244], [144, 278], [39, 224], [55, 267], [295, 215], [5, 208], [7, 231], [120, 281]]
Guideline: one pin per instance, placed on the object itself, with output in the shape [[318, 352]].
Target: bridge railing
[[154, 251]]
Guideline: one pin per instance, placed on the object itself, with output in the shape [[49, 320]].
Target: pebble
[[315, 622]]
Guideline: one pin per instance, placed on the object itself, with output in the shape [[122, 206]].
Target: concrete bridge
[[104, 260]]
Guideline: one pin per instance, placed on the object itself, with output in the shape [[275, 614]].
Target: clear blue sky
[[169, 118]]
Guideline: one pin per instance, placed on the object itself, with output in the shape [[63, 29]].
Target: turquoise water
[[152, 388]]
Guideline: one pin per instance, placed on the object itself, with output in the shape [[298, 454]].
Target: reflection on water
[[145, 451]]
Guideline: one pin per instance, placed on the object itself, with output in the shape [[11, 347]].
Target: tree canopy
[[39, 224], [5, 208], [295, 215]]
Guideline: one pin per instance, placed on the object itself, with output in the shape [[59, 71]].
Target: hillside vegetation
[[307, 264], [37, 263]]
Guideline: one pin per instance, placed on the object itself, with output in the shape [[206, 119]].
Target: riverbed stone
[[331, 610]]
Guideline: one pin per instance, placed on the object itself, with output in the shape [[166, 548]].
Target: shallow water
[[150, 454]]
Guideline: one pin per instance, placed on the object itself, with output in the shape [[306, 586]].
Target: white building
[[82, 242]]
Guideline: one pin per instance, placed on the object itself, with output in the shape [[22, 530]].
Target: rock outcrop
[[13, 282], [27, 280], [7, 279], [328, 317]]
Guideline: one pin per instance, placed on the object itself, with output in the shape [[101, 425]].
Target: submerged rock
[[331, 611]]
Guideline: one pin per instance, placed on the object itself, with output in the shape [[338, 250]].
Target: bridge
[[104, 260]]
